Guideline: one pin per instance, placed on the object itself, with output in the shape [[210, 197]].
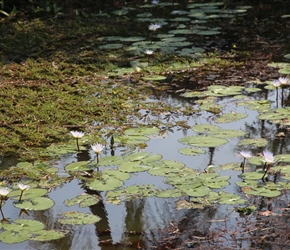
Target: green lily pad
[[110, 160], [131, 139], [24, 225], [197, 192], [105, 183], [78, 218], [259, 142], [166, 168], [84, 200], [13, 237], [263, 191], [227, 133], [191, 151], [253, 175], [133, 167], [203, 141], [142, 131], [80, 166], [35, 203], [47, 235], [28, 194], [136, 156], [169, 193], [230, 117], [230, 199], [202, 128], [115, 173]]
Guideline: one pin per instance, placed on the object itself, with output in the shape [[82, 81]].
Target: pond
[[158, 185]]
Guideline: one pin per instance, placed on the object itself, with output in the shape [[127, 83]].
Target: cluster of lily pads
[[25, 198], [174, 39]]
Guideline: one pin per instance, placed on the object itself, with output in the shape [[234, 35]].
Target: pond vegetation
[[147, 111]]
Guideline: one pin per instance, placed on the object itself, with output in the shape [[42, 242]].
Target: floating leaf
[[47, 235], [191, 151], [80, 166], [104, 183], [230, 117], [29, 193], [142, 131], [131, 167], [259, 142], [78, 218], [110, 160], [203, 141], [230, 199], [84, 200], [227, 133], [170, 193], [202, 128], [24, 225], [166, 168], [115, 173], [35, 203], [12, 237], [263, 191]]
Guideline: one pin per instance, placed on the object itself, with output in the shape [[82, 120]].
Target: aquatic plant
[[77, 135]]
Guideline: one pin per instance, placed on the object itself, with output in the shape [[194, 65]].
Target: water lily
[[154, 26], [148, 52], [22, 187], [283, 80], [268, 156], [77, 135], [269, 159], [4, 191], [97, 148], [246, 155]]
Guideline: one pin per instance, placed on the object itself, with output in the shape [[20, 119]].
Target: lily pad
[[104, 183], [169, 193], [203, 141], [166, 168], [84, 200], [47, 235], [142, 131], [12, 237], [78, 218], [259, 142], [80, 166], [191, 151], [24, 225], [35, 203], [230, 117]]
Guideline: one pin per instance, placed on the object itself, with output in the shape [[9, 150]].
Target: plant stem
[[78, 144], [21, 195]]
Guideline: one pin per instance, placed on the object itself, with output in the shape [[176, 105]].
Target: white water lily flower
[[154, 26], [283, 80], [77, 134], [97, 148], [246, 154], [23, 187], [4, 191], [148, 52], [268, 157], [276, 83]]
